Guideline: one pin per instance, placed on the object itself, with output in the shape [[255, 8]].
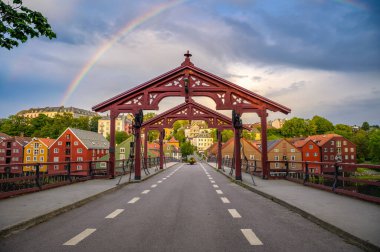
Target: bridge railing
[[355, 180]]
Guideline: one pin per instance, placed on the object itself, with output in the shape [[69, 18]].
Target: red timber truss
[[189, 81], [187, 111]]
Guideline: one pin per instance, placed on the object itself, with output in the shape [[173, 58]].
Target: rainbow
[[130, 26]]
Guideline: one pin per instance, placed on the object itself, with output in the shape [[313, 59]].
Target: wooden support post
[[237, 123], [264, 144], [146, 146], [111, 166], [219, 156], [162, 131], [137, 153]]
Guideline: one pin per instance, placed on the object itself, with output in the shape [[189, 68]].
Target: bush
[[192, 161]]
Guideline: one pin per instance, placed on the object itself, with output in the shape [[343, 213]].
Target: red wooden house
[[12, 151], [78, 146], [311, 153]]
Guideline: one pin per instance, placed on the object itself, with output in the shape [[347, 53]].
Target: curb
[[354, 240], [45, 217]]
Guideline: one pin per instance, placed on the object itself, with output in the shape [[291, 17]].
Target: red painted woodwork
[[189, 81]]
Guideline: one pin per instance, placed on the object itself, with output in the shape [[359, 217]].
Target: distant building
[[202, 141], [310, 153], [77, 145], [53, 111], [249, 151], [277, 123], [122, 123], [332, 145], [37, 151], [12, 152]]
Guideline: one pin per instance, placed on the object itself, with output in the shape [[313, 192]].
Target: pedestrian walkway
[[29, 209], [353, 219]]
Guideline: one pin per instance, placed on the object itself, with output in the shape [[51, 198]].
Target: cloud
[[293, 88]]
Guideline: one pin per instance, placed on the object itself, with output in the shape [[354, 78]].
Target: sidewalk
[[24, 211], [353, 219]]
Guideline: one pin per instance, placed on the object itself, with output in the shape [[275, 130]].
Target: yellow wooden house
[[37, 151]]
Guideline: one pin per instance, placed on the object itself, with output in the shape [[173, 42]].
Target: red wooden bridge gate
[[190, 81]]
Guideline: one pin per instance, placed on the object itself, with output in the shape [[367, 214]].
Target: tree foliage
[[120, 136], [295, 127], [374, 145], [321, 125], [187, 149], [365, 126], [18, 23]]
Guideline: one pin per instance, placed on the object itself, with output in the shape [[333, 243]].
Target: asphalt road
[[185, 208]]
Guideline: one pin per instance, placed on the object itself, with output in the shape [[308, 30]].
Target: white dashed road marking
[[145, 192], [159, 181], [153, 186], [75, 240], [219, 191], [134, 200], [225, 200], [114, 213], [212, 181], [215, 186], [234, 213], [251, 237]]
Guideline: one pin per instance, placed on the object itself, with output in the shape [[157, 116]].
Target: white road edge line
[[251, 237], [134, 200], [75, 240], [225, 200], [219, 191], [114, 213], [234, 213], [145, 191]]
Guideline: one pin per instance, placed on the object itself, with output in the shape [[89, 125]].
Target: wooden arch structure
[[189, 81], [186, 111]]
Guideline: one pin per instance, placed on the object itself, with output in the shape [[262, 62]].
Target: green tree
[[148, 116], [360, 139], [227, 135], [374, 145], [365, 126], [94, 123], [344, 130], [180, 136], [295, 127], [153, 135], [18, 23], [187, 149], [322, 125], [120, 136], [16, 126]]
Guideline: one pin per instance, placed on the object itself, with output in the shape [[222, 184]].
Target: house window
[[27, 158], [56, 167], [28, 151], [227, 156], [79, 158], [252, 157], [325, 150], [15, 151], [56, 150], [315, 154], [338, 143], [293, 158], [293, 165], [311, 146], [68, 137], [59, 142], [276, 150], [122, 150], [352, 149], [42, 151], [331, 157], [34, 158], [276, 165], [122, 156], [276, 158], [346, 149], [76, 143], [15, 159], [79, 167], [36, 145], [344, 142], [103, 164], [35, 152], [331, 149], [325, 157], [56, 159], [332, 142], [352, 157], [339, 150], [42, 159], [292, 150], [346, 157], [307, 154], [79, 150]]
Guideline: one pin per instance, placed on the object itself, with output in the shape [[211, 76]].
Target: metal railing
[[21, 178]]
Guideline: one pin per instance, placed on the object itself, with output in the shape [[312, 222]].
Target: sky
[[317, 57]]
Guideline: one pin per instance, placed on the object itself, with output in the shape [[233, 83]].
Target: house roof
[[90, 139], [22, 140], [173, 140], [3, 136], [47, 141], [322, 139]]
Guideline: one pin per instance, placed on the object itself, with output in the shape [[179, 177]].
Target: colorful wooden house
[[78, 146], [37, 151], [12, 152], [310, 153]]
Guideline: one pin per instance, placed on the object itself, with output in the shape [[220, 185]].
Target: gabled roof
[[172, 83], [173, 140], [46, 141], [90, 139], [3, 136], [322, 139]]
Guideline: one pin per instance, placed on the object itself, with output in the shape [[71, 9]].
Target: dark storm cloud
[[295, 86]]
